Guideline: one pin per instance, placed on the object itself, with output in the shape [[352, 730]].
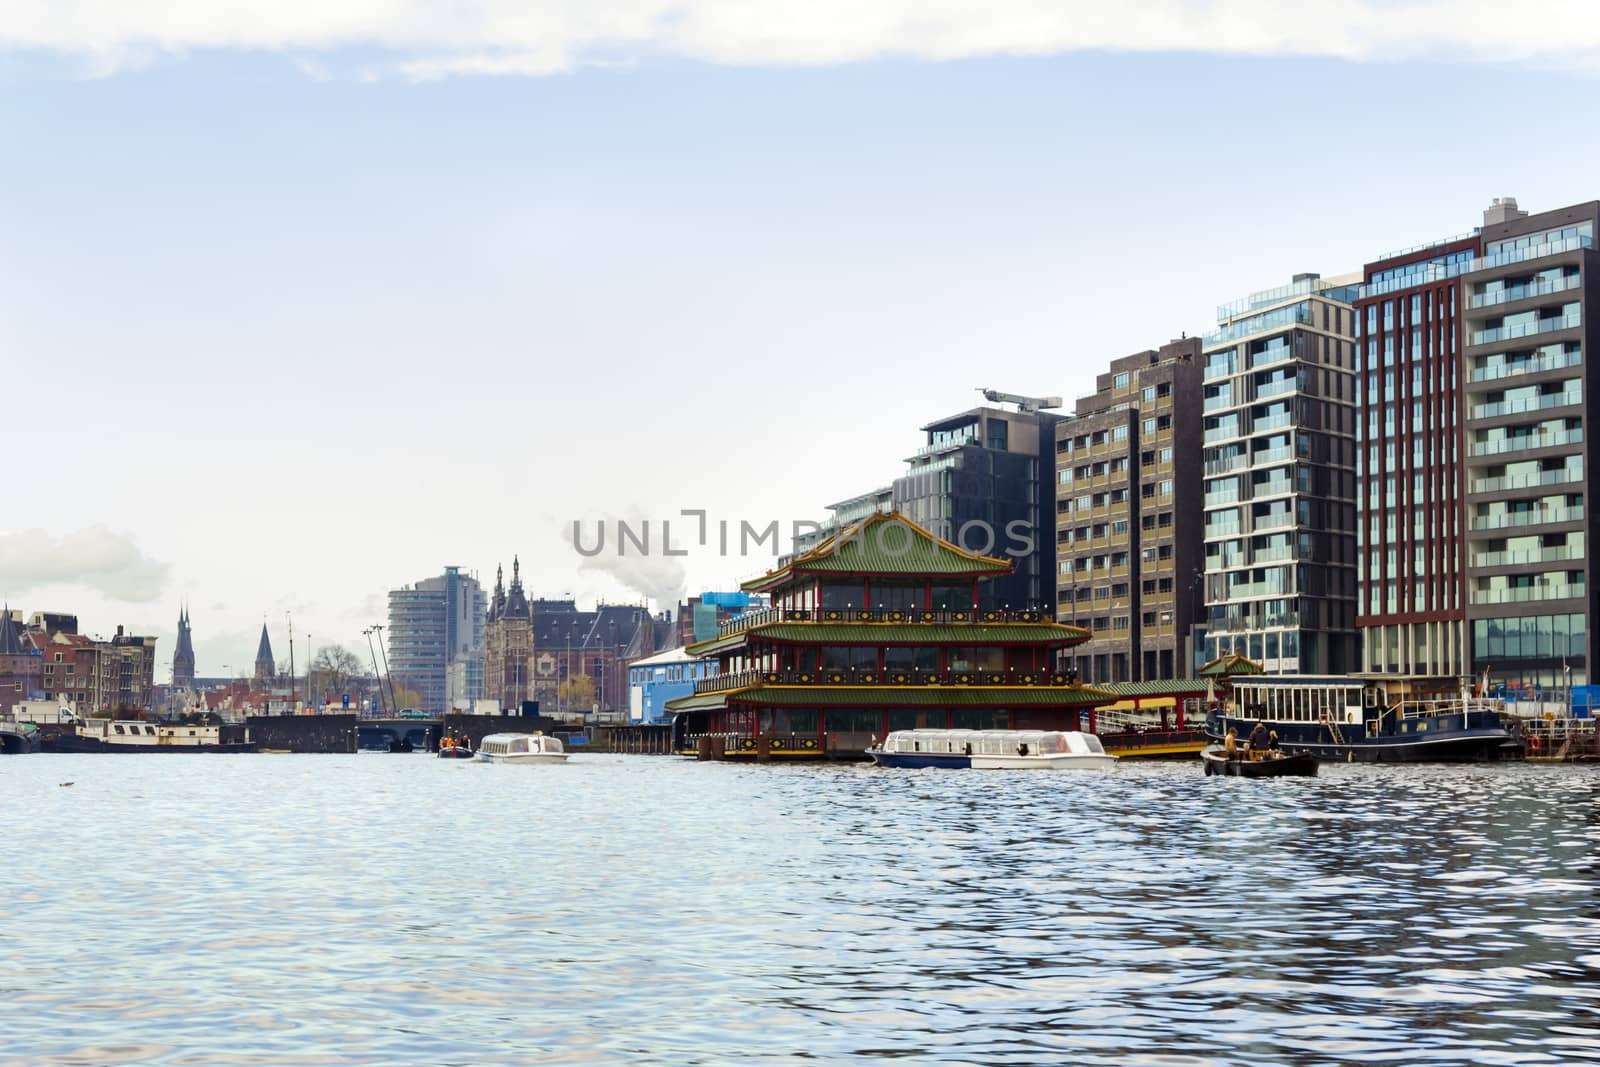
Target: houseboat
[[881, 627], [1375, 719], [137, 735], [1011, 750], [521, 748]]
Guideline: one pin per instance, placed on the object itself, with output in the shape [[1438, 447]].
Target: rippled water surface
[[378, 909]]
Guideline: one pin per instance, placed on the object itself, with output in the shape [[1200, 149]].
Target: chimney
[[1503, 209]]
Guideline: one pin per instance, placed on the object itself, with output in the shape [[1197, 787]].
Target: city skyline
[[338, 334]]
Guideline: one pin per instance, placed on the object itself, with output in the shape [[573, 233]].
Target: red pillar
[[1180, 713], [1092, 729]]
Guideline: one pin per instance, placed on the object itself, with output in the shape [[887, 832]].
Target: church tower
[[266, 667], [183, 658]]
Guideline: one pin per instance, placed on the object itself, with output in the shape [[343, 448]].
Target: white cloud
[[94, 558], [426, 39]]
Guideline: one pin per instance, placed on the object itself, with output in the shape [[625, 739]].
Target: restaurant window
[[919, 719], [841, 597], [911, 658], [977, 658], [952, 597]]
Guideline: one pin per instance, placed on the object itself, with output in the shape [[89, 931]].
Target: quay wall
[[304, 733]]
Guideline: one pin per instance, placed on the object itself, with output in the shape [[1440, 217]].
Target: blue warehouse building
[[657, 679]]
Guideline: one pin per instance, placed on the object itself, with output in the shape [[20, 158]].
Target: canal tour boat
[[1366, 720], [521, 748], [992, 750]]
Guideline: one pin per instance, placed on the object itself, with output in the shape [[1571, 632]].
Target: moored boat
[[450, 748], [1270, 765], [137, 735], [992, 750], [1365, 720], [521, 748]]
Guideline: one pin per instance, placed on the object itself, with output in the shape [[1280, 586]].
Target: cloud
[[93, 558], [635, 559], [425, 39]]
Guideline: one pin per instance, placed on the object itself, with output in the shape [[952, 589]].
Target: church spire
[[266, 666], [183, 655]]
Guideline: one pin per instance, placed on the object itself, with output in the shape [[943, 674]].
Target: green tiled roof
[[802, 696], [884, 543], [1162, 687], [901, 633]]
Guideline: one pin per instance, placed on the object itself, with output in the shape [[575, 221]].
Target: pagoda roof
[[868, 548], [1157, 687], [1232, 663], [900, 633], [890, 696]]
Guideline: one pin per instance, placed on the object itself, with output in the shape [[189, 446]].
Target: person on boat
[[1230, 744], [1258, 740], [1272, 740]]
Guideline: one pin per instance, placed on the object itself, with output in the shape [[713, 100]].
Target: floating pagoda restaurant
[[877, 629]]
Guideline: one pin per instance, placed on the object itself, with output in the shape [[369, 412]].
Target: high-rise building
[[982, 480], [1279, 454], [183, 655], [433, 624], [1128, 501], [1411, 552], [1527, 333]]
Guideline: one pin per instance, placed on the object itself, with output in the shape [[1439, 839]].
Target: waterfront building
[[878, 628], [1528, 332], [266, 666], [579, 658], [508, 641], [1279, 464], [982, 480], [433, 624], [654, 680], [699, 616], [93, 675], [1412, 552], [183, 655], [1128, 500], [21, 665]]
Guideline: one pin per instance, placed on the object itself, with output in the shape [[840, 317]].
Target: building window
[[1120, 381]]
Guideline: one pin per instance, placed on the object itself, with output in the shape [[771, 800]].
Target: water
[[378, 909]]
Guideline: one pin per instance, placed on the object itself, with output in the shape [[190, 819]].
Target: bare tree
[[334, 669]]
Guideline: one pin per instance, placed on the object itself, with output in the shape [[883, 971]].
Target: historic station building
[[876, 629]]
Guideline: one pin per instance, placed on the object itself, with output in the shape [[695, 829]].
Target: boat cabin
[[519, 745], [994, 742]]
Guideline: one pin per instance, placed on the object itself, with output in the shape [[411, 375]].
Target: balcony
[[1526, 329], [1278, 388], [1541, 517], [1523, 292], [1518, 407], [1222, 433], [766, 616], [723, 683], [1524, 593], [1272, 521], [1525, 481], [1530, 366], [1225, 466], [1522, 255], [1527, 442], [1271, 487], [1270, 422], [1553, 554]]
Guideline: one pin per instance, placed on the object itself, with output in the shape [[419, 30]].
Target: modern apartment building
[[433, 624], [1279, 440], [980, 480], [1528, 329], [1412, 555], [1128, 501]]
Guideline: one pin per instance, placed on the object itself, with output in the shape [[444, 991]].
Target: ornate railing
[[766, 616], [869, 676]]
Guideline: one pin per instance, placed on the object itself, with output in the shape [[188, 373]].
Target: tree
[[333, 670], [577, 693], [403, 697]]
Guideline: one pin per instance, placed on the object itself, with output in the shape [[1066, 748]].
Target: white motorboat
[[993, 750], [521, 748]]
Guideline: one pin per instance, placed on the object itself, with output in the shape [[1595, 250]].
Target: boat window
[[1092, 743], [117, 726]]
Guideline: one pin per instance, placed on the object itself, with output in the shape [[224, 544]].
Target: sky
[[302, 304]]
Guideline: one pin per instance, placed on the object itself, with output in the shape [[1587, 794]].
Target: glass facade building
[[1278, 453], [1526, 333]]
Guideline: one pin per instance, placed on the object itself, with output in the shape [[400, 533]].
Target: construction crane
[[1025, 404]]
